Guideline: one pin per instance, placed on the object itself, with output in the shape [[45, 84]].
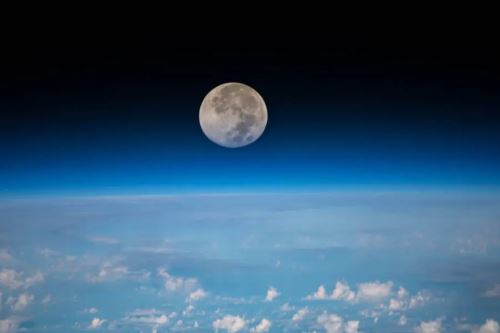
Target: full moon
[[233, 115]]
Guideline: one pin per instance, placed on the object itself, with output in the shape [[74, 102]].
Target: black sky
[[72, 98]]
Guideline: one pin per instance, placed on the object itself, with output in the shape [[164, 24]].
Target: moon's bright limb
[[233, 115]]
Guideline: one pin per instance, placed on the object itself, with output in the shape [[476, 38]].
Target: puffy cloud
[[8, 325], [493, 292], [272, 293], [342, 291], [21, 302], [433, 326], [96, 323], [262, 327], [402, 320], [352, 326], [5, 255], [197, 295], [14, 280], [231, 324], [374, 291], [403, 301], [320, 294], [371, 314], [370, 291], [188, 311], [286, 307], [418, 300], [333, 323], [402, 293], [300, 314], [396, 304], [177, 284], [490, 326], [91, 310]]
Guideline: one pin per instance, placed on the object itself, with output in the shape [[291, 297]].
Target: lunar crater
[[233, 115]]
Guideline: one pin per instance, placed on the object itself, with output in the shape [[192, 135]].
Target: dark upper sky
[[120, 115]]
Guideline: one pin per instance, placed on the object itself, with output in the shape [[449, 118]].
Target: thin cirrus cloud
[[104, 240], [150, 318]]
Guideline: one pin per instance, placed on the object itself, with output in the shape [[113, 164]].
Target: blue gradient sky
[[112, 117]]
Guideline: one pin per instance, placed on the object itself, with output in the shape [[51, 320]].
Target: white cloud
[[109, 271], [342, 291], [8, 325], [370, 291], [151, 318], [418, 300], [262, 327], [320, 294], [189, 310], [433, 326], [300, 315], [286, 307], [177, 284], [333, 323], [493, 292], [91, 310], [231, 324], [352, 326], [34, 280], [402, 293], [104, 240], [5, 255], [396, 304], [272, 293], [490, 326], [96, 323], [403, 301], [197, 295], [21, 302], [402, 320], [14, 280], [374, 291]]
